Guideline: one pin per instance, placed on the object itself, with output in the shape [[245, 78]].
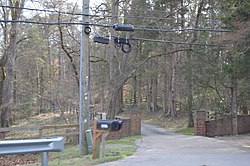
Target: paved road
[[163, 148]]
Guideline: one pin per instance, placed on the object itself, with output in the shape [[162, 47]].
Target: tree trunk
[[112, 104], [139, 81], [139, 95], [149, 95], [189, 92], [166, 91], [39, 86], [101, 67], [234, 105], [190, 72], [119, 101], [8, 63], [154, 92], [102, 98], [7, 91], [113, 86], [172, 95], [135, 90]]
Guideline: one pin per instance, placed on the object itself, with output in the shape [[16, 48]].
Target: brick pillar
[[124, 132], [200, 123], [135, 117]]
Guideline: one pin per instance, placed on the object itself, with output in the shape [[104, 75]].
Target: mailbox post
[[100, 127]]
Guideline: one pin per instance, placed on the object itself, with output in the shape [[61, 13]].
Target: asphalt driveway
[[160, 147]]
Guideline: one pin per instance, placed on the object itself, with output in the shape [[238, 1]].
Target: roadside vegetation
[[115, 149]]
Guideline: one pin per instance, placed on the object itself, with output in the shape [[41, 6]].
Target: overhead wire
[[108, 16], [109, 26], [132, 38], [45, 10], [137, 28], [55, 23], [164, 41], [182, 29], [176, 42]]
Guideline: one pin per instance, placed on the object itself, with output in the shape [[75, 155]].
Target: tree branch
[[132, 74], [68, 53]]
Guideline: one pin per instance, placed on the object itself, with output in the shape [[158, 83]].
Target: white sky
[[36, 5], [91, 2]]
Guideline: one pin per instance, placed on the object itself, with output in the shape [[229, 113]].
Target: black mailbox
[[110, 125]]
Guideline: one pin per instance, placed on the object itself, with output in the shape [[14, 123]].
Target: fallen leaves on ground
[[21, 159]]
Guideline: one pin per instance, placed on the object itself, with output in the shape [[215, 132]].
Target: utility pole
[[84, 51]]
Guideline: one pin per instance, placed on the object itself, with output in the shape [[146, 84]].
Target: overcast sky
[[29, 4], [92, 2]]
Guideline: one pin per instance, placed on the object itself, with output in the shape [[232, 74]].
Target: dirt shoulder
[[243, 139]]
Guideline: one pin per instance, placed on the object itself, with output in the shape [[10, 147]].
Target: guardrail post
[[45, 158]]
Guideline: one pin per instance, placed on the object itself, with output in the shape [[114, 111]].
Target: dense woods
[[186, 56]]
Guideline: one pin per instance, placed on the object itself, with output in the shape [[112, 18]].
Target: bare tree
[[7, 62]]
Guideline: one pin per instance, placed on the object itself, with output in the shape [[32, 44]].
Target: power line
[[107, 16], [45, 10], [182, 29], [121, 42], [126, 40], [165, 18], [55, 23], [175, 42], [124, 44], [109, 26]]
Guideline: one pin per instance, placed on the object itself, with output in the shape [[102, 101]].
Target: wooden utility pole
[[83, 73]]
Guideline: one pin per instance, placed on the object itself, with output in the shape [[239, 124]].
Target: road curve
[[160, 147]]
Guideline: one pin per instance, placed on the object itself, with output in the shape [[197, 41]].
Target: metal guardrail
[[43, 146]]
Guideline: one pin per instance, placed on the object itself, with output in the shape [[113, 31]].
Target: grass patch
[[186, 131], [115, 149]]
